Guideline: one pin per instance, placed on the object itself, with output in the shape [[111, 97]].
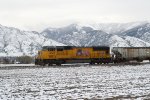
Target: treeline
[[17, 60]]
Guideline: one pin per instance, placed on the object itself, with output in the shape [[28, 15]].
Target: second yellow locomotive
[[70, 54]]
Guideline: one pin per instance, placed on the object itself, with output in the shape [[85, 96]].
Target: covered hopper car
[[71, 54], [124, 54]]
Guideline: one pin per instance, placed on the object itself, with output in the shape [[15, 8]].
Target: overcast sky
[[39, 14]]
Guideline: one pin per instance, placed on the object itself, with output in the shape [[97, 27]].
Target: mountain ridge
[[86, 35], [14, 41]]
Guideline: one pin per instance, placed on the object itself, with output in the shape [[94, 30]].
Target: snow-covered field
[[85, 82]]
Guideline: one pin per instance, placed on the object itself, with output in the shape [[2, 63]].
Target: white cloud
[[39, 14]]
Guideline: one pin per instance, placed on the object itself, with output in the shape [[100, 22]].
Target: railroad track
[[24, 66]]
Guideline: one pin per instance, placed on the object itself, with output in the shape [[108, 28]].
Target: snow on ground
[[16, 65], [85, 82]]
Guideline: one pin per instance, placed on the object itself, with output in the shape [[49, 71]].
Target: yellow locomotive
[[71, 54]]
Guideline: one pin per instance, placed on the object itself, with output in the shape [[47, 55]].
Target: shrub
[[24, 59]]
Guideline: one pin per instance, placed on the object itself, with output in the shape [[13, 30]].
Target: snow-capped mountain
[[115, 28], [14, 42], [127, 41], [141, 32], [78, 36], [111, 28], [89, 35]]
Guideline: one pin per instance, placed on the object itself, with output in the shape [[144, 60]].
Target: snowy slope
[[116, 41], [115, 28], [112, 28], [86, 35], [127, 41], [77, 35], [141, 32], [14, 42]]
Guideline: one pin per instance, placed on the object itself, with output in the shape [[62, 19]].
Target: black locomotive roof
[[57, 47], [70, 47]]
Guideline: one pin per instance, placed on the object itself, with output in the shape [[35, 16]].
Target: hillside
[[90, 35], [15, 42]]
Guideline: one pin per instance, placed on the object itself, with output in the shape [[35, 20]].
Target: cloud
[[37, 14]]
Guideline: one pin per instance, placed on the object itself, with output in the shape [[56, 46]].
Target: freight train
[[58, 55]]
